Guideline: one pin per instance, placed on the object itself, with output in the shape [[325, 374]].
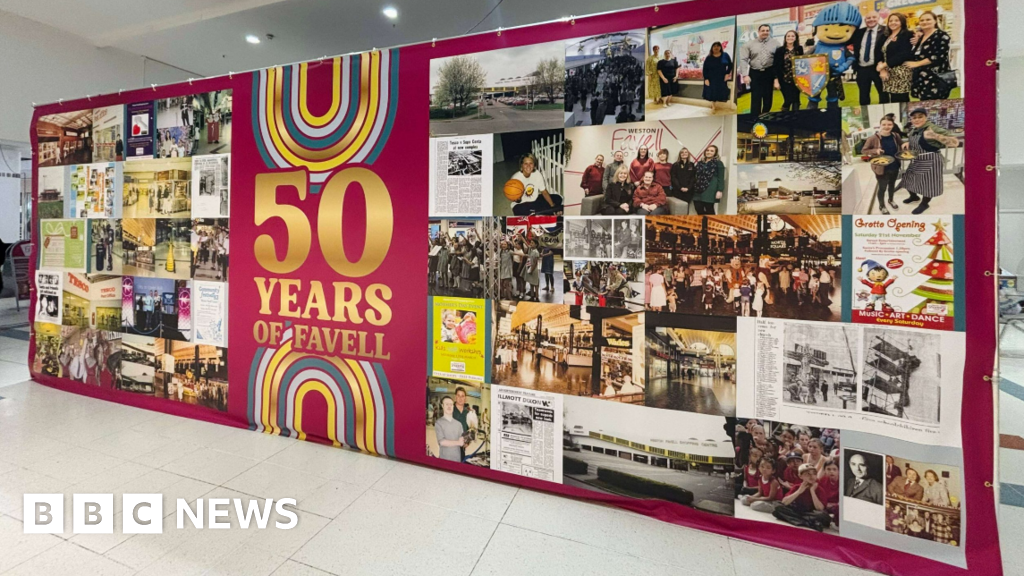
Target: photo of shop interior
[[65, 138], [158, 188], [552, 347], [92, 301], [691, 369], [619, 354]]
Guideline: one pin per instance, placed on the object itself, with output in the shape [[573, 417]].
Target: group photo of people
[[456, 257], [787, 474], [604, 79], [669, 167], [154, 308], [602, 283], [771, 266], [690, 69], [876, 55], [904, 158], [529, 259], [923, 500]]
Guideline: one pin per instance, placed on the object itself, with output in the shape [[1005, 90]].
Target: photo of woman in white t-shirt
[[536, 199]]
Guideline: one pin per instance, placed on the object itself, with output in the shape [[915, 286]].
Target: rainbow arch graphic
[[360, 407], [354, 130]]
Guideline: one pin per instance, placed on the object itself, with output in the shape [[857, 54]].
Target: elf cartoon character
[[878, 280], [833, 28]]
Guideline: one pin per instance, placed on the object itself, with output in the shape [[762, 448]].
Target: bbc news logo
[[143, 513]]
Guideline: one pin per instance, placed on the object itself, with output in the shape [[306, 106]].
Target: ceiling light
[[252, 39], [391, 12]]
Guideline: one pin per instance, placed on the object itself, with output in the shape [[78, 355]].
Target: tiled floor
[[357, 514]]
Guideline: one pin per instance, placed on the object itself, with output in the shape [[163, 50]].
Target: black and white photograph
[[628, 239], [589, 238], [138, 364], [902, 374], [465, 163], [211, 179], [498, 91], [819, 365], [516, 418], [48, 302], [863, 476], [627, 450], [604, 79]]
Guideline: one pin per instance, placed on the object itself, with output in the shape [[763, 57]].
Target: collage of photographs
[[638, 239], [134, 204]]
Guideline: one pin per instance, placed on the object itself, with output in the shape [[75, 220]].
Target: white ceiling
[[206, 37]]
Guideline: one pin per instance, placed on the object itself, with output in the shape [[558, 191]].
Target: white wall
[[1011, 138], [42, 64]]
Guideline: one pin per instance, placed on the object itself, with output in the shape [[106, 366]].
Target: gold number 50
[[379, 222]]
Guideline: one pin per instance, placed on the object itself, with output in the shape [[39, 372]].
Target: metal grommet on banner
[[433, 43], [499, 30], [989, 273], [988, 484], [987, 378], [153, 86], [991, 62], [231, 75], [572, 20], [190, 81], [989, 168], [88, 97], [656, 8], [119, 90]]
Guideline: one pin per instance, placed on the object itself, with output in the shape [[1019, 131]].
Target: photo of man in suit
[[861, 482], [867, 50]]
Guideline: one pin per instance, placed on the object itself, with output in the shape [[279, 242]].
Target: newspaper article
[[49, 306], [460, 175], [210, 312], [904, 383], [211, 176], [526, 433]]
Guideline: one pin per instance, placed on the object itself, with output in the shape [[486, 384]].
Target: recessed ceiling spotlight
[[252, 39], [391, 12]]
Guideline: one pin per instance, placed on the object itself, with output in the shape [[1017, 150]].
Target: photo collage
[[134, 230], [684, 259]]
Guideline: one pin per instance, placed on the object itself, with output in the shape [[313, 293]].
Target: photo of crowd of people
[[663, 167], [456, 257], [459, 421], [599, 283], [890, 52], [499, 91], [529, 259], [690, 69], [604, 79], [771, 266], [904, 158], [691, 363], [787, 474], [199, 375], [209, 241]]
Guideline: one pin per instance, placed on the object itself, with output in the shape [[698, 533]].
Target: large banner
[[703, 263]]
